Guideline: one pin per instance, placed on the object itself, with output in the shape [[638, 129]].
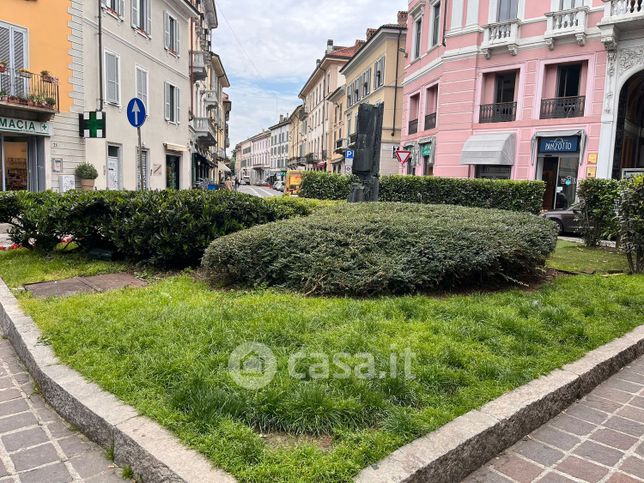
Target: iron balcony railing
[[562, 107], [498, 112], [430, 121], [413, 126], [24, 88]]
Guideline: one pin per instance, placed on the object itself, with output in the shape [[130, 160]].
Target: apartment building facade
[[260, 157], [296, 138], [519, 89], [374, 75], [279, 147], [40, 94], [324, 80], [243, 153]]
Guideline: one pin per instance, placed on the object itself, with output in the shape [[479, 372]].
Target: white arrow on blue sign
[[136, 112]]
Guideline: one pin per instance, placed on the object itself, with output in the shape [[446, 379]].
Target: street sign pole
[[141, 168], [136, 114]]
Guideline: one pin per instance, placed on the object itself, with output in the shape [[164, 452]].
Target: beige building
[[339, 133], [324, 80], [374, 75], [296, 138]]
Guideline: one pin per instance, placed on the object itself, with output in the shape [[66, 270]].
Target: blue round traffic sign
[[136, 112]]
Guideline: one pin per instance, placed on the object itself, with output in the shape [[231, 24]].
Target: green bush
[[597, 217], [86, 171], [167, 228], [325, 186], [631, 222], [288, 207], [383, 248], [478, 193]]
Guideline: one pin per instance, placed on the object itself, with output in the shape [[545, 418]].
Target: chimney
[[370, 33], [360, 43], [317, 62], [329, 46], [402, 18]]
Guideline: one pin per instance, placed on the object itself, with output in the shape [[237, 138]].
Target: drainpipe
[[445, 23], [393, 132], [101, 100]]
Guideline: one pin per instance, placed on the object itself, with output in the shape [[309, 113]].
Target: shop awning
[[223, 167], [490, 149]]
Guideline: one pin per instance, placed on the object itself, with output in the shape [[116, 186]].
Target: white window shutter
[[178, 46], [167, 101], [135, 13], [121, 4], [148, 17], [177, 97], [166, 30]]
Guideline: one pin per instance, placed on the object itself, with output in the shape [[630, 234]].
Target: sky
[[269, 49]]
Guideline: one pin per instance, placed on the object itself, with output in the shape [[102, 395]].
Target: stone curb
[[153, 453], [462, 446]]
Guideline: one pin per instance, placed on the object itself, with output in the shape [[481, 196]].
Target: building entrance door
[[173, 171], [15, 173], [113, 167], [549, 176]]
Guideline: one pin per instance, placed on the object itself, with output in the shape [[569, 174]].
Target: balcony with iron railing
[[501, 35], [563, 107], [498, 112], [620, 16], [413, 126], [566, 23], [198, 65], [430, 121], [204, 131], [21, 89]]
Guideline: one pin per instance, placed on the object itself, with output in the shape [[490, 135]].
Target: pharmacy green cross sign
[[92, 124]]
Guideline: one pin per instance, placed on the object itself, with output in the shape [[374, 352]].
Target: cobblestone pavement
[[598, 439], [36, 445]]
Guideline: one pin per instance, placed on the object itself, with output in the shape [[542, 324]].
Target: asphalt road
[[259, 191]]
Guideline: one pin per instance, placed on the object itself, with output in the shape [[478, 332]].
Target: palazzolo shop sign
[[25, 126], [568, 144]]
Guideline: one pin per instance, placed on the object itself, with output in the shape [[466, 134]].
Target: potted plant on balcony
[[87, 174], [3, 95], [47, 77], [3, 67], [50, 102], [25, 73]]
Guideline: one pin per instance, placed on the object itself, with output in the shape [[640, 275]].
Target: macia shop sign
[[568, 144], [25, 126]]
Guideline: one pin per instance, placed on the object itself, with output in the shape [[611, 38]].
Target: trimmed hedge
[[631, 222], [383, 248], [325, 186], [167, 228], [598, 201], [509, 195]]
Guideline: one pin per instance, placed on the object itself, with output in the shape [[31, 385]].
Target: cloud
[[269, 49]]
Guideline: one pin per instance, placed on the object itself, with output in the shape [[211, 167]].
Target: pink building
[[525, 89]]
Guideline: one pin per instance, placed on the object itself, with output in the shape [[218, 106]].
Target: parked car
[[278, 185], [565, 220], [245, 180]]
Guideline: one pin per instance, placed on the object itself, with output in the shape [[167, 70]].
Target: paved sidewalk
[[35, 444], [598, 439]]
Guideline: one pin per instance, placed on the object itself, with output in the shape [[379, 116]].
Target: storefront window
[[493, 172], [15, 172]]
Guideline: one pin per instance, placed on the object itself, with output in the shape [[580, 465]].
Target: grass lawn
[[574, 257], [20, 267], [164, 349]]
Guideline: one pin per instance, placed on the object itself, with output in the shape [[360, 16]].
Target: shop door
[[550, 169], [566, 182], [113, 167], [15, 169], [172, 171]]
